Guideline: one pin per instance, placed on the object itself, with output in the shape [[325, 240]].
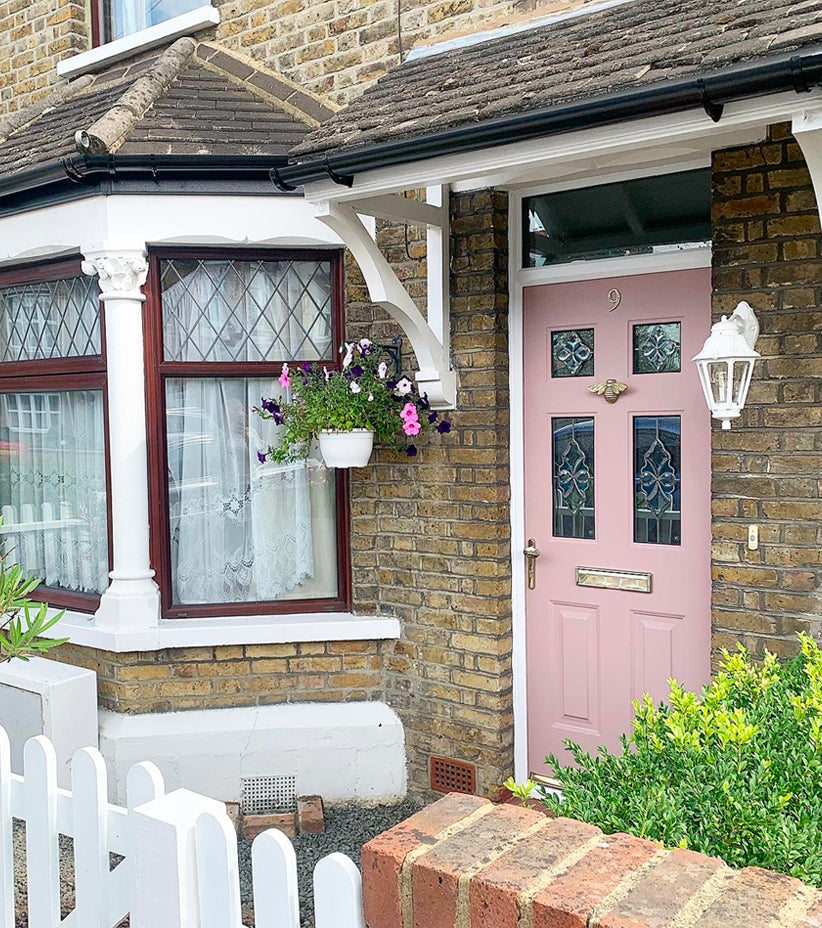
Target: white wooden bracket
[[429, 335], [807, 130]]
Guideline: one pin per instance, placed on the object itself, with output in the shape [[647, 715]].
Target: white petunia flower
[[327, 373], [382, 370], [404, 387], [349, 355], [364, 344], [354, 387], [370, 397]]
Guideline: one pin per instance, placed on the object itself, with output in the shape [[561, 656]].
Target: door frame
[[675, 258]]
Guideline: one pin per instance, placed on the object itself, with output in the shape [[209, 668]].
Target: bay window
[[53, 477], [231, 534]]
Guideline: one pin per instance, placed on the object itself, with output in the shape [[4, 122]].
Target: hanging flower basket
[[346, 410], [346, 449]]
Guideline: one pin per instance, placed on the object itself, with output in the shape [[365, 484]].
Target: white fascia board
[[619, 146], [203, 17], [80, 629], [65, 228]]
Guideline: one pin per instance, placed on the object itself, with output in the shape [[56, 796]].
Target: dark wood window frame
[[76, 373], [158, 370]]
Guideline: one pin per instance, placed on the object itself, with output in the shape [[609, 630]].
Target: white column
[[132, 600]]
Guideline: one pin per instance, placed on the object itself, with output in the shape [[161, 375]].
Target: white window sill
[[80, 629], [184, 24]]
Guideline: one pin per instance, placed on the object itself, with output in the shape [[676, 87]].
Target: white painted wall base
[[340, 751], [43, 697]]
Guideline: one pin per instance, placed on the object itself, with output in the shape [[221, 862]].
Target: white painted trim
[[81, 629], [477, 38], [667, 259], [201, 18], [628, 145], [678, 258]]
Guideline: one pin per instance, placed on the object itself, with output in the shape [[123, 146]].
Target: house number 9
[[614, 298]]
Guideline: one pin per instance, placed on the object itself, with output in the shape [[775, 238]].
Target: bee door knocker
[[610, 389]]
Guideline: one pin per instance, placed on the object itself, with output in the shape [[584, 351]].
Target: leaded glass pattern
[[658, 480], [231, 310], [572, 353], [658, 348], [572, 442], [48, 319]]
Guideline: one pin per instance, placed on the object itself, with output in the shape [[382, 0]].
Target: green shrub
[[735, 773]]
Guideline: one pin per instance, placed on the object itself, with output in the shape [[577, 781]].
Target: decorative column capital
[[121, 271]]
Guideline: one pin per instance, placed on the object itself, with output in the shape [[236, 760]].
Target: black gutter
[[798, 72], [90, 170]]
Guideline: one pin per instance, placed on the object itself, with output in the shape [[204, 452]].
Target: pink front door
[[617, 495]]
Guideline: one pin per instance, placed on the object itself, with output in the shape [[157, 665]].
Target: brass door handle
[[532, 552]]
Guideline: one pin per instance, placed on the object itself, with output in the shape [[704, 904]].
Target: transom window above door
[[117, 19], [630, 217], [233, 533]]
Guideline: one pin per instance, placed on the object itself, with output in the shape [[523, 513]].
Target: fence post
[[164, 858], [338, 893], [6, 848]]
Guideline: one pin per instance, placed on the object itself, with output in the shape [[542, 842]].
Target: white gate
[[180, 866]]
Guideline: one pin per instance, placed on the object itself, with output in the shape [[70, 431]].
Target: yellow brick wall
[[34, 36], [219, 677]]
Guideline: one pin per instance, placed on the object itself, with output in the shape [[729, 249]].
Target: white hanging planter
[[346, 449]]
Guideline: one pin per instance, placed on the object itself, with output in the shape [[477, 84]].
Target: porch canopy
[[596, 92]]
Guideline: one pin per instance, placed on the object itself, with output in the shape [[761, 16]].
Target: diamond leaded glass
[[49, 319], [572, 353], [657, 348], [231, 310], [573, 477], [657, 480]]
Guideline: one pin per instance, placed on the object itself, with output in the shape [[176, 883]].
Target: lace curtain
[[53, 487], [241, 531]]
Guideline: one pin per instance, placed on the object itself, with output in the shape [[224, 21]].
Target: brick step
[[464, 862]]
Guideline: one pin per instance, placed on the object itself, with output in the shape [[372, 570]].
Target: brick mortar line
[[407, 866], [535, 887], [703, 898], [466, 875], [633, 879], [794, 912]]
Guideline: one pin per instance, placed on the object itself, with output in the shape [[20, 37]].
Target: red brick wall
[[464, 863]]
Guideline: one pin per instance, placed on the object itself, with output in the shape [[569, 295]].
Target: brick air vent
[[453, 776], [264, 795]]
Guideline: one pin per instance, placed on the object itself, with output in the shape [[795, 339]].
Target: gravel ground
[[347, 828]]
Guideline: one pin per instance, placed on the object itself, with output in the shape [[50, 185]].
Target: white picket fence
[[180, 866]]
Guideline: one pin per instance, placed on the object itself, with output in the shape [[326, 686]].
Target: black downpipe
[[710, 92]]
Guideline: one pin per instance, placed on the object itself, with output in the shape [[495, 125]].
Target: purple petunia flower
[[411, 451], [424, 401], [390, 384], [357, 371], [261, 457], [444, 427], [432, 418], [307, 367], [270, 406]]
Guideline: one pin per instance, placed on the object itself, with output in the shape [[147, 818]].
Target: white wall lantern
[[726, 363]]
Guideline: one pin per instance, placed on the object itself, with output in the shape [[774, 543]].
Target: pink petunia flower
[[409, 411], [284, 379], [411, 428]]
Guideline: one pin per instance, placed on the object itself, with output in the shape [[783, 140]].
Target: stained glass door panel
[[620, 487]]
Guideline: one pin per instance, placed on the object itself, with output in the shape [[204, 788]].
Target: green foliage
[[22, 621], [734, 773], [521, 791], [360, 396]]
